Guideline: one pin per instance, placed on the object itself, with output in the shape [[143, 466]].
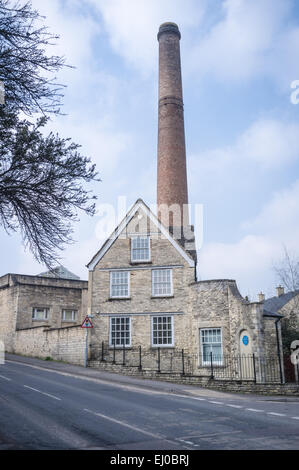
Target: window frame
[[171, 283], [149, 249], [172, 331], [46, 310], [73, 310], [119, 296], [215, 362], [120, 346]]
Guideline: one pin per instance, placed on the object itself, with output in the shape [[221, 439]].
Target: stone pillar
[[172, 189]]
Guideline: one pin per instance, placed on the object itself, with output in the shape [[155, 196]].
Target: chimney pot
[[279, 291], [261, 297]]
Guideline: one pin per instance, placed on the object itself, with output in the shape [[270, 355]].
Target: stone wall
[[291, 311], [54, 294], [218, 304], [62, 344], [8, 312], [206, 382]]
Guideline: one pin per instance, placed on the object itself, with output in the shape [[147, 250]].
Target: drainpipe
[[279, 351]]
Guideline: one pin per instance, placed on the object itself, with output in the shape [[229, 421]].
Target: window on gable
[[119, 284], [40, 313], [140, 248], [161, 282]]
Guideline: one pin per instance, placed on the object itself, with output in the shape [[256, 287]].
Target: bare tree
[[287, 272], [25, 69], [42, 178]]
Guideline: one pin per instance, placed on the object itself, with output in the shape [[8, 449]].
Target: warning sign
[[87, 323]]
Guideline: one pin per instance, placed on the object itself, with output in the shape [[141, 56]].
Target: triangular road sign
[[87, 323]]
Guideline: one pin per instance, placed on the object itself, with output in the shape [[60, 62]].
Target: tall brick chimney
[[172, 189]]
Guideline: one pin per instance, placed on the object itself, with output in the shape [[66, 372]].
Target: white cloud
[[250, 260], [238, 46], [133, 25], [269, 143], [279, 218], [76, 29]]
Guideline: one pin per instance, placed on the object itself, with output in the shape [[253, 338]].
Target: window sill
[[162, 296], [36, 319], [110, 299], [208, 366], [133, 263], [162, 347]]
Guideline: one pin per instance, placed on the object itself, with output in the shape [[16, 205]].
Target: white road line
[[43, 393], [183, 396], [134, 428], [235, 406], [275, 414], [256, 411], [217, 402], [193, 398], [187, 442], [5, 378], [295, 417]]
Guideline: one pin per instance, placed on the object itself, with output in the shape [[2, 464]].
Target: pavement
[[53, 405]]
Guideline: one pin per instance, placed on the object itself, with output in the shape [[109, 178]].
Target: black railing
[[258, 369]]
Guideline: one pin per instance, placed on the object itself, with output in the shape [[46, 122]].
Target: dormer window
[[140, 249]]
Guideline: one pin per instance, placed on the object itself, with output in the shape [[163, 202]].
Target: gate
[[291, 371]]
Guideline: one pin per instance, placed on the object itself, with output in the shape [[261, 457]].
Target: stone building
[[54, 299], [142, 288], [286, 304]]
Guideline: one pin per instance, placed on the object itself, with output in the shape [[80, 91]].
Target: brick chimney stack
[[172, 176]]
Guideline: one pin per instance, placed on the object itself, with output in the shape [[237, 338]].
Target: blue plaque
[[245, 340]]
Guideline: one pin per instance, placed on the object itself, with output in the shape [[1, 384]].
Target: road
[[59, 409]]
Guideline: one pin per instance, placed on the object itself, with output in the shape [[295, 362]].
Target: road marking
[[43, 393], [256, 411], [276, 414], [217, 402], [122, 423], [295, 417], [5, 378], [235, 406], [193, 398], [187, 442]]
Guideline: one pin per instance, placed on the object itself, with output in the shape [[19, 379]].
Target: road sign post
[[86, 324]]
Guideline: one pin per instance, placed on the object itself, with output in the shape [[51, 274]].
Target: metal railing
[[258, 369]]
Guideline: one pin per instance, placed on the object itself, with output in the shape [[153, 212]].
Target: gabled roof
[[139, 204], [274, 304], [60, 272]]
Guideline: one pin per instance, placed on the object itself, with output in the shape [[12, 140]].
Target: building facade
[[40, 302], [142, 290]]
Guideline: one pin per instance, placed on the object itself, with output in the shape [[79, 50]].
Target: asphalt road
[[47, 409]]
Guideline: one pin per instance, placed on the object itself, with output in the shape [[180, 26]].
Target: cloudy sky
[[239, 59]]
